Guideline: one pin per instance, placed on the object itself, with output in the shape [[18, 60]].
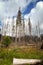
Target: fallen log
[[26, 61]]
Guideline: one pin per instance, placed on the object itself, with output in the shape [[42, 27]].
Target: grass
[[6, 55]]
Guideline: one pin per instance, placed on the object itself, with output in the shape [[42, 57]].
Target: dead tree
[[29, 24], [5, 31], [0, 34], [23, 30], [38, 29], [13, 28], [18, 24]]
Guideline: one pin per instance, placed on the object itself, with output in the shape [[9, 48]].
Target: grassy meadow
[[7, 55]]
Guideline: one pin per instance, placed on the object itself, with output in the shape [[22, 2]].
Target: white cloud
[[10, 7], [40, 5], [36, 15], [2, 8]]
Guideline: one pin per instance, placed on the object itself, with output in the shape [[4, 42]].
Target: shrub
[[6, 41]]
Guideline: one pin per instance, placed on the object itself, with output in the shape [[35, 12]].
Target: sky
[[32, 9], [10, 7]]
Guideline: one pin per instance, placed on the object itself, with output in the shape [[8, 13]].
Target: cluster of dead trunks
[[28, 40]]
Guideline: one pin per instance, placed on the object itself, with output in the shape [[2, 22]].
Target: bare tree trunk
[[16, 35], [19, 33], [29, 24], [23, 30]]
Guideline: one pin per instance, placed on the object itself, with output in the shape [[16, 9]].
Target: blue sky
[[10, 7], [30, 6], [32, 9]]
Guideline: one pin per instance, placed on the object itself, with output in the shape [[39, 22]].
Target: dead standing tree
[[23, 30], [29, 24], [0, 31], [30, 28], [13, 28], [18, 24], [38, 29]]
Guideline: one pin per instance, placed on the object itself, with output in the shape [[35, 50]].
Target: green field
[[7, 55]]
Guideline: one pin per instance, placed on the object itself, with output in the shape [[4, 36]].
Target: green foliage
[[7, 55], [6, 41]]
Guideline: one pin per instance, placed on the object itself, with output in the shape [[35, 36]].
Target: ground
[[7, 54]]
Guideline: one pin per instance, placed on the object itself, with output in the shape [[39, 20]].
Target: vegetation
[[7, 55], [6, 41]]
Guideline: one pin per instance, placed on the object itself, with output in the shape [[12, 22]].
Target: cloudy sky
[[10, 7], [29, 8]]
